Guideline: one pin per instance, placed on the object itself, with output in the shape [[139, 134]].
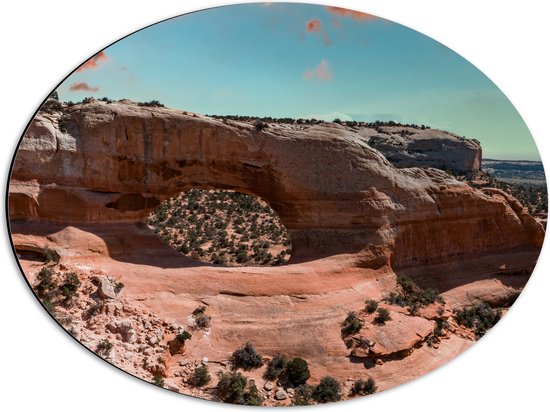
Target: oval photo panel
[[277, 204]]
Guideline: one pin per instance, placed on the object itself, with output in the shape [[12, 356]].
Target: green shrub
[[351, 325], [382, 316], [50, 255], [297, 372], [246, 357], [199, 311], [202, 321], [328, 390], [201, 376], [413, 296], [252, 396], [118, 287], [158, 380], [407, 284], [371, 305], [47, 283], [479, 318], [151, 103], [275, 367], [303, 395], [183, 336], [233, 388], [362, 387], [70, 285]]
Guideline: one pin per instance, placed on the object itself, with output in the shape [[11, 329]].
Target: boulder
[[280, 395], [125, 329], [106, 288]]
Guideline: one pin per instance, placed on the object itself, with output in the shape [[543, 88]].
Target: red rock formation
[[100, 162], [355, 219]]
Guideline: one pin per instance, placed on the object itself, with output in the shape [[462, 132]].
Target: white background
[[42, 367]]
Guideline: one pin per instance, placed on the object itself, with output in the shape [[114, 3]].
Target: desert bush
[[351, 325], [407, 284], [201, 376], [260, 125], [328, 390], [118, 287], [183, 336], [297, 372], [364, 343], [382, 316], [371, 305], [246, 357], [50, 255], [69, 287], [479, 318], [413, 296], [303, 395], [202, 321], [252, 396], [275, 367], [158, 380], [200, 310], [362, 387], [233, 388], [151, 103], [47, 283]]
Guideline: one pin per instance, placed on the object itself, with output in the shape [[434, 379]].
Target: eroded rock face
[[332, 186], [411, 147]]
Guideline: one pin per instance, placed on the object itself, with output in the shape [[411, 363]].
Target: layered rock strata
[[333, 190]]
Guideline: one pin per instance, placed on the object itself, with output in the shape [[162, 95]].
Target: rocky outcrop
[[397, 337], [414, 147], [333, 186]]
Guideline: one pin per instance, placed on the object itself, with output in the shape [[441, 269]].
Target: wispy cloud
[[329, 117], [321, 72], [82, 86], [356, 15], [93, 62]]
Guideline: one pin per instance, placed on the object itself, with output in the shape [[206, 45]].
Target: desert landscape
[[267, 261]]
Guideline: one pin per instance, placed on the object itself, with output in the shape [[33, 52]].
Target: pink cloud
[[321, 72], [356, 15], [93, 62], [82, 86], [313, 25]]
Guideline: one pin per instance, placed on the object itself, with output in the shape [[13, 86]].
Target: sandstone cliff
[[332, 186], [413, 147]]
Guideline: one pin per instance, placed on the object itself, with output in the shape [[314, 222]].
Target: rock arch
[[333, 192]]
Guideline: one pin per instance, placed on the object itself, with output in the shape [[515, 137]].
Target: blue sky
[[297, 60]]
